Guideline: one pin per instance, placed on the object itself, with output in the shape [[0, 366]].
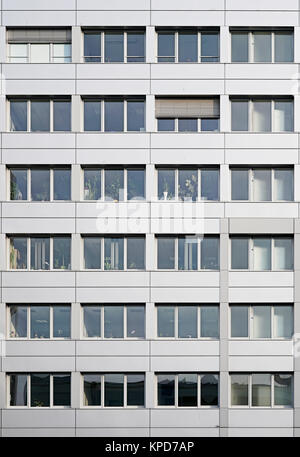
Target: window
[[258, 115], [267, 390], [187, 390], [188, 125], [39, 321], [262, 184], [114, 253], [187, 321], [39, 45], [262, 321], [119, 184], [40, 252], [188, 184], [114, 390], [188, 46], [264, 46], [114, 321], [39, 390], [40, 115], [188, 253], [114, 115], [262, 253], [114, 46], [40, 184]]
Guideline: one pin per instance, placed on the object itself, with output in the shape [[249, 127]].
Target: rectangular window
[[18, 116], [239, 47], [92, 390], [61, 116], [114, 47], [113, 253], [239, 115], [135, 47], [187, 321], [187, 47], [92, 47], [187, 390], [265, 390], [39, 390], [166, 253], [262, 321]]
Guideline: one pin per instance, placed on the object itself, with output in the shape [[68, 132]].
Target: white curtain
[[262, 185], [283, 321], [283, 256], [261, 321], [261, 116], [283, 184], [262, 254], [283, 116]]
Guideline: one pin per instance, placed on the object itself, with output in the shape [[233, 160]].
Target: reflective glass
[[18, 184], [61, 321], [40, 321], [113, 322], [114, 47], [113, 253], [187, 389], [166, 253], [62, 253], [135, 253], [40, 253], [92, 321], [135, 321], [114, 389], [165, 321], [40, 116], [18, 116], [92, 253]]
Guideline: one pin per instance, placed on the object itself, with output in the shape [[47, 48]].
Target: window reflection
[[92, 253], [40, 116], [40, 253], [18, 390], [40, 321], [62, 184], [18, 253], [18, 321], [114, 390], [40, 184], [113, 253], [18, 184], [18, 116], [92, 184], [113, 322], [166, 253], [62, 253], [135, 253], [114, 185]]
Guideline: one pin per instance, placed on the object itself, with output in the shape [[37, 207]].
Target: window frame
[[52, 56], [199, 125]]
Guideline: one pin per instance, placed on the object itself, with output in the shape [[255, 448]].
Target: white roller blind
[[187, 107], [39, 35]]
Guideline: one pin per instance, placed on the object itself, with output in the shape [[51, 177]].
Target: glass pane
[[40, 116], [18, 53], [210, 125], [166, 47], [135, 322], [262, 185], [283, 254], [239, 47], [40, 389], [135, 47], [135, 390], [18, 321], [62, 53], [135, 184], [187, 389], [165, 321], [166, 253], [166, 390], [92, 253], [62, 184], [262, 42], [239, 389], [166, 184], [209, 390], [61, 321], [187, 321], [92, 321], [40, 322], [114, 116], [165, 125], [114, 47], [209, 320], [283, 395], [261, 116], [188, 185], [61, 116], [188, 47], [239, 115], [62, 253], [261, 321], [283, 321], [92, 390], [92, 184], [239, 253], [262, 253], [40, 185], [210, 253], [283, 116], [40, 253], [239, 321], [40, 53], [187, 253], [187, 125], [18, 116], [114, 390], [261, 389], [61, 390], [135, 253], [114, 185], [210, 184], [210, 47], [18, 253], [239, 185], [18, 390], [113, 322], [136, 116], [92, 116], [18, 184], [284, 184], [92, 47], [284, 47], [113, 253]]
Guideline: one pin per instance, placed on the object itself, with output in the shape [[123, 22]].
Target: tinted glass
[[135, 390], [39, 322], [114, 47], [40, 116], [92, 184], [166, 184], [187, 253], [239, 184], [92, 390], [92, 253], [135, 47], [40, 185], [165, 321], [188, 184], [166, 390], [166, 47], [18, 321], [136, 253], [18, 116], [113, 322], [92, 116], [209, 47], [61, 390], [61, 321], [284, 47], [210, 125], [40, 389], [18, 390], [283, 393], [92, 47], [261, 389], [187, 125], [210, 184], [166, 253], [261, 321], [187, 47], [113, 253], [284, 184], [209, 320], [262, 46], [262, 186], [135, 184], [239, 115], [114, 185], [136, 116], [239, 389], [61, 116], [283, 254], [239, 321], [62, 253], [239, 47], [135, 322], [62, 184], [283, 321], [62, 52], [187, 322], [92, 321], [209, 390], [262, 253], [261, 116], [210, 253], [239, 253], [165, 125], [114, 116], [283, 116], [18, 253], [18, 184], [187, 390], [40, 253], [114, 390]]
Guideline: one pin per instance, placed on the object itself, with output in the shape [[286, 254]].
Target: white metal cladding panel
[[113, 5], [187, 72], [261, 432], [184, 364], [263, 5], [261, 279], [40, 348], [179, 294], [40, 278], [184, 279], [38, 294], [38, 432], [182, 140], [262, 18], [261, 294], [38, 156], [169, 418], [261, 363], [41, 71], [112, 348], [40, 87], [132, 209], [260, 417], [38, 225], [38, 418], [113, 140], [37, 18], [265, 156], [201, 156], [186, 209], [39, 364], [116, 156], [89, 418], [19, 5], [38, 210], [112, 364], [261, 71], [189, 5], [38, 140], [187, 431], [185, 18], [239, 347], [182, 348], [255, 210], [113, 294], [113, 18], [113, 87], [113, 71], [113, 431], [113, 279]]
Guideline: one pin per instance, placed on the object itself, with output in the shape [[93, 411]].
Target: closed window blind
[[187, 108], [39, 36]]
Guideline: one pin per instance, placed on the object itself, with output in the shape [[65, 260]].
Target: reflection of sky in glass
[[18, 116], [114, 116], [40, 116]]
